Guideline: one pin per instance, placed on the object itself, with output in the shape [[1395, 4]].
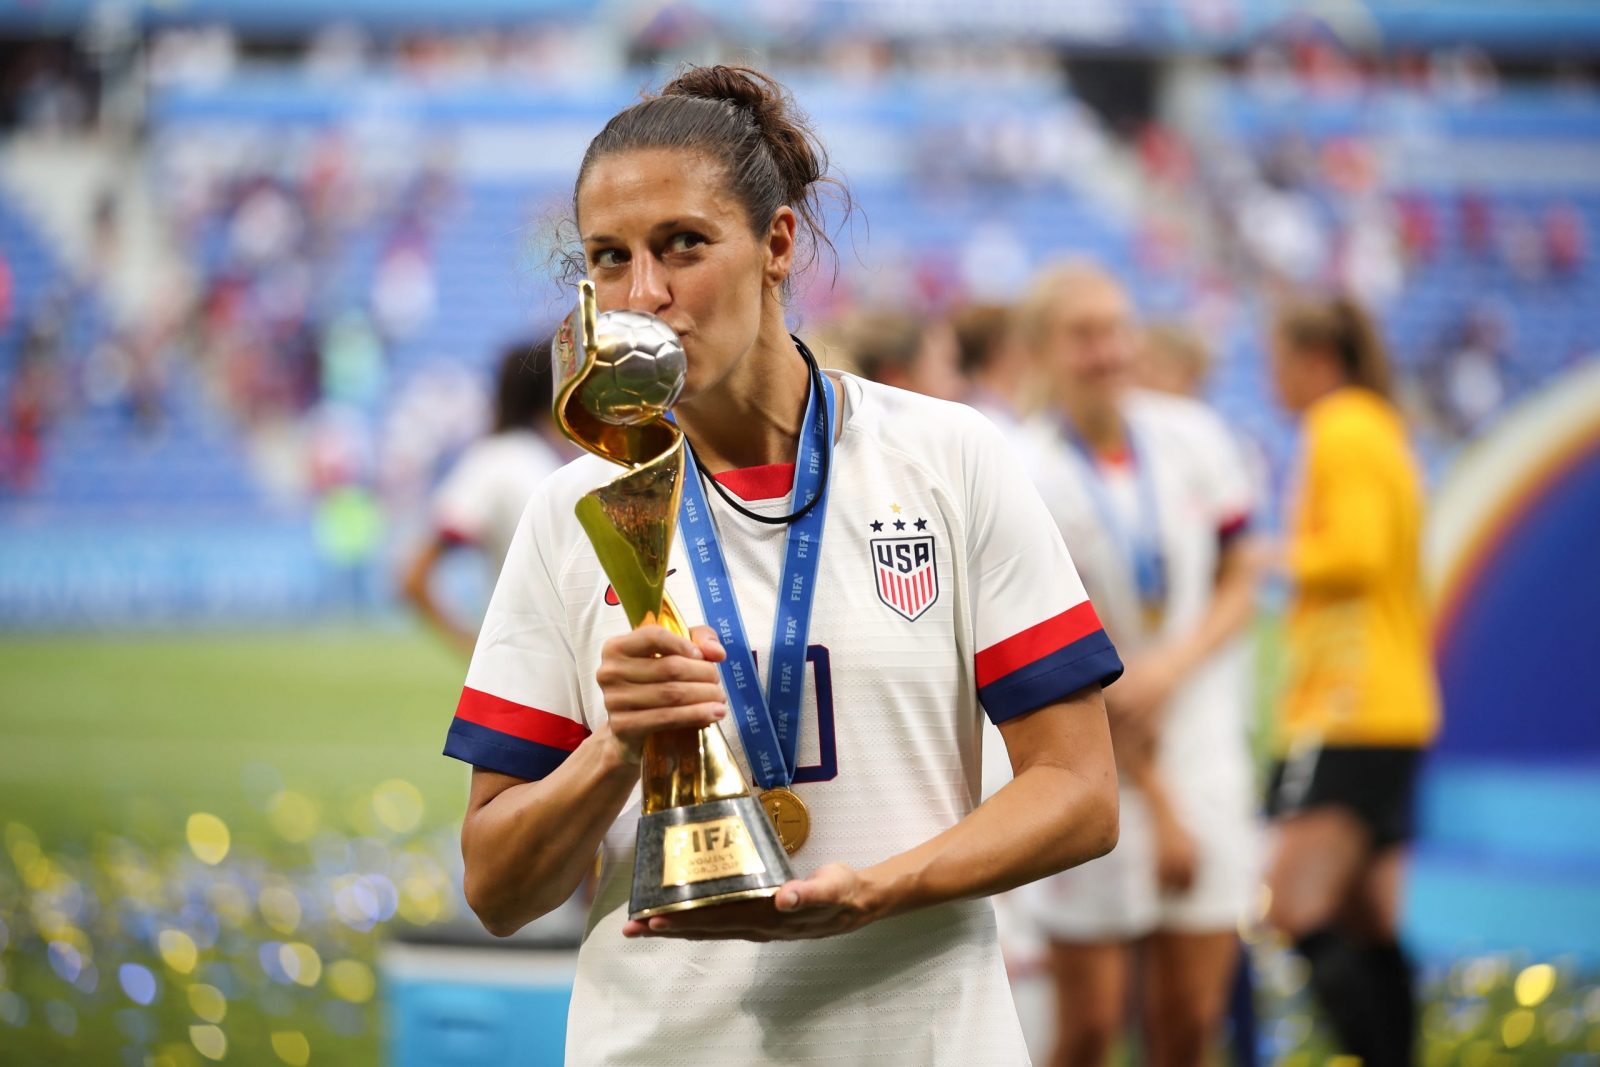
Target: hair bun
[[742, 87], [794, 148]]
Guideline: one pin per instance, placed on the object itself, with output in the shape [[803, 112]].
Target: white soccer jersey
[[1202, 499], [482, 498], [943, 587]]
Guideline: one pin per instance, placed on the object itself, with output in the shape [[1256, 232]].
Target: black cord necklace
[[827, 453]]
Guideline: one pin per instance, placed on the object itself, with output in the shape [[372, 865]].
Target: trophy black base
[[705, 854]]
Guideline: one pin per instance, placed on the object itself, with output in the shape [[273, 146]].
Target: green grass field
[[311, 747], [101, 729], [318, 750]]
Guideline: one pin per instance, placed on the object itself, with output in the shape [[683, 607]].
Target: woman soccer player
[[1361, 702], [1153, 501], [479, 502], [943, 587]]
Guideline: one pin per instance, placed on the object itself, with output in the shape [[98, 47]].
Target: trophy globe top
[[616, 376], [638, 370]]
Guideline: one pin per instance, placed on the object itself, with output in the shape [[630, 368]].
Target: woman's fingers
[[710, 646], [650, 640], [621, 670], [653, 679], [641, 724], [629, 697]]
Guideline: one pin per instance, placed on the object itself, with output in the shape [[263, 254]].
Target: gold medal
[[789, 817]]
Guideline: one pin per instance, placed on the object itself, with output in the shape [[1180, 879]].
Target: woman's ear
[[780, 246]]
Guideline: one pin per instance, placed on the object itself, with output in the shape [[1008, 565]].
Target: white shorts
[[1116, 898]]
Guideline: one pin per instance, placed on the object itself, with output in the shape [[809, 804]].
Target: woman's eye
[[684, 242], [607, 257]]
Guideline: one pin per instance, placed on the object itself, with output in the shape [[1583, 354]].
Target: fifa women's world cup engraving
[[703, 839]]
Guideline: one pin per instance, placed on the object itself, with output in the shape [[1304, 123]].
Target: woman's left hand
[[835, 899]]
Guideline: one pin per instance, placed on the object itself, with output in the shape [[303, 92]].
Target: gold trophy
[[703, 839]]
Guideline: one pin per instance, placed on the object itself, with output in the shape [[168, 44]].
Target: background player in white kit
[[689, 206], [480, 500], [1153, 501]]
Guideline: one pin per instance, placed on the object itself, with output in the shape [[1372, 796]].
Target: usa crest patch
[[907, 573]]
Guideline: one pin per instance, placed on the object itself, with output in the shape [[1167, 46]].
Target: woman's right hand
[[1177, 859], [653, 679]]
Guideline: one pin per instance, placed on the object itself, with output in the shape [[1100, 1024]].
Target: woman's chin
[[692, 388]]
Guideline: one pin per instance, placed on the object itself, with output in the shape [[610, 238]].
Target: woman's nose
[[648, 289]]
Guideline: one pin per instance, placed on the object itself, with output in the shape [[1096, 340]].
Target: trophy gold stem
[[702, 838], [630, 522], [683, 767]]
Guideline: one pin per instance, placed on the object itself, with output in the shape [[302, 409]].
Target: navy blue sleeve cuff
[[1057, 676], [495, 751]]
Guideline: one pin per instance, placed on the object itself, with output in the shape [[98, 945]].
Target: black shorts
[[1377, 785]]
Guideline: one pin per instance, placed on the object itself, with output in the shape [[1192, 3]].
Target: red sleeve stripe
[[1234, 526], [519, 720], [1035, 643], [452, 535]]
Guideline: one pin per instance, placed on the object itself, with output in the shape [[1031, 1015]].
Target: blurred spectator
[[7, 291], [1468, 377], [35, 395], [351, 363], [1522, 247], [348, 528], [127, 372], [1463, 73], [1280, 226], [1360, 703], [1173, 359], [992, 360], [1476, 220], [194, 56], [1153, 501], [1419, 228], [338, 51], [904, 351], [1566, 240], [481, 500], [48, 90], [404, 295], [1372, 260], [30, 404]]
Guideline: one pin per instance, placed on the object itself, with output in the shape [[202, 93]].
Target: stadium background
[[254, 266]]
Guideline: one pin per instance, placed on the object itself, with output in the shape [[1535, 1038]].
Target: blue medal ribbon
[[1141, 547], [769, 724]]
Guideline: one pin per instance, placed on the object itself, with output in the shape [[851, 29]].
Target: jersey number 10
[[827, 766]]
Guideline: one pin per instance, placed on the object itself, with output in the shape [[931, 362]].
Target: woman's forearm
[[1232, 605], [1059, 810], [416, 586], [1043, 821], [527, 846]]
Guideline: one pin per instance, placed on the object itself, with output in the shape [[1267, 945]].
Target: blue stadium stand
[[493, 282]]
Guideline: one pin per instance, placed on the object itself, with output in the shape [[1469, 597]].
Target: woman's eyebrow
[[687, 220], [664, 224]]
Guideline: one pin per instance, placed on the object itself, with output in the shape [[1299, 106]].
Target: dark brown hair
[[748, 123], [522, 386], [980, 330], [879, 341], [1343, 330]]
